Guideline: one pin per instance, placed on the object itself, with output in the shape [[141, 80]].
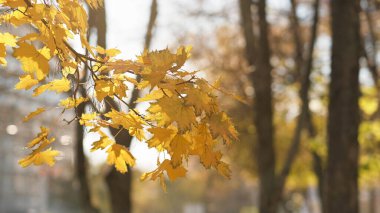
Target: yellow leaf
[[221, 125], [179, 147], [120, 156], [224, 170], [210, 158], [39, 158], [32, 61], [87, 118], [100, 50], [178, 112], [33, 114], [3, 53], [121, 66], [60, 85], [8, 39], [45, 52], [200, 100], [174, 173], [112, 52], [70, 102], [26, 82], [57, 85], [41, 89], [42, 136], [102, 143], [152, 96], [104, 88], [68, 70], [166, 166], [161, 137], [183, 53], [132, 122]]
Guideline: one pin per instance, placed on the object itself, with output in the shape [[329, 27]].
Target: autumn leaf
[[3, 53], [87, 119], [161, 137], [179, 148], [224, 170], [8, 39], [200, 100], [166, 166], [26, 82], [221, 125], [120, 156], [39, 154], [103, 142], [33, 114], [70, 102], [152, 96], [132, 122], [178, 112], [32, 61], [40, 137], [57, 85], [39, 158]]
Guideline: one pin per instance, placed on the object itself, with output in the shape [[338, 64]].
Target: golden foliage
[[183, 117]]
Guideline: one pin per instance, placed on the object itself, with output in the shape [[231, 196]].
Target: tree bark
[[263, 118], [81, 167], [341, 190], [263, 110]]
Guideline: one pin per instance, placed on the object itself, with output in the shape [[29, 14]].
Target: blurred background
[[299, 38]]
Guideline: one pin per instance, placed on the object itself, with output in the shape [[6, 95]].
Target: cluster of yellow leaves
[[40, 155], [183, 118]]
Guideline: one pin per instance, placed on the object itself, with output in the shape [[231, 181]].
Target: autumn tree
[[183, 116]]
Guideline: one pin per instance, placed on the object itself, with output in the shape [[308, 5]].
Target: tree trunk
[[263, 117], [341, 191], [120, 185], [81, 167]]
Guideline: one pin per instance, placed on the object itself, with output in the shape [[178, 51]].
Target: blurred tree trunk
[[306, 65], [120, 185], [81, 167], [262, 82], [341, 190], [263, 112]]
